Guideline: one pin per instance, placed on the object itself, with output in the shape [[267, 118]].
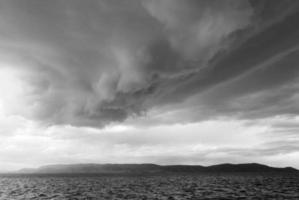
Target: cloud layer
[[165, 81], [95, 62]]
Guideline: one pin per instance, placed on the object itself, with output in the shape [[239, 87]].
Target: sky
[[149, 81]]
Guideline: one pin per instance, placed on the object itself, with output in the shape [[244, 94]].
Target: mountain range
[[153, 168]]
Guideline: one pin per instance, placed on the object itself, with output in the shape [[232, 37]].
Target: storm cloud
[[90, 63]]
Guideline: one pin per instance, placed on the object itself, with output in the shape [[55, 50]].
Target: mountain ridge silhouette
[[148, 168]]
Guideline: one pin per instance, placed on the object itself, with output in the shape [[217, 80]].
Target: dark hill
[[94, 169], [231, 168], [152, 168]]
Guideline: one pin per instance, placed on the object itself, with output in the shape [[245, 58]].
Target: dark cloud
[[90, 63]]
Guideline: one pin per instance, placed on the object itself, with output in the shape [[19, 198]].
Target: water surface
[[232, 186]]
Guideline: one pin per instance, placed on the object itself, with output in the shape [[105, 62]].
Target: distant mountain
[[94, 169], [230, 168], [152, 168]]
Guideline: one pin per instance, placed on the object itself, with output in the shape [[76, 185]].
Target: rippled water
[[150, 187]]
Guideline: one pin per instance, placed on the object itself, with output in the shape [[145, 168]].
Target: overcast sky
[[160, 81]]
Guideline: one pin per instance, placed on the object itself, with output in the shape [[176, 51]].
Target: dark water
[[150, 187]]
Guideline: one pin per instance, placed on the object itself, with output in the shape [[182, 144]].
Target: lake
[[168, 187]]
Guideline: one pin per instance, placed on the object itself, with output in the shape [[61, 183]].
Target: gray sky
[[161, 81]]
